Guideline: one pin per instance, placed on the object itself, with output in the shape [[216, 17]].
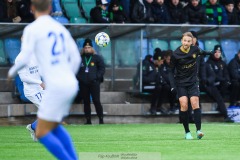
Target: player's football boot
[[200, 134], [188, 136], [32, 133]]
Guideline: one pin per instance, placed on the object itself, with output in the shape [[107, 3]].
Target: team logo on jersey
[[92, 64], [194, 55]]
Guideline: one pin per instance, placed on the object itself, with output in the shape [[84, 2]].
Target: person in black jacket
[[153, 81], [231, 13], [234, 71], [217, 80], [160, 12], [176, 12], [8, 11], [99, 14], [116, 13], [16, 11], [142, 12], [24, 9], [166, 87], [183, 77], [161, 87], [90, 76], [195, 13]]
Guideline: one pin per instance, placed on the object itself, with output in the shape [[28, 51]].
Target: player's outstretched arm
[[28, 44], [15, 68], [203, 52]]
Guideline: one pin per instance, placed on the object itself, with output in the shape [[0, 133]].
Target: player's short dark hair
[[167, 53], [194, 34], [41, 5]]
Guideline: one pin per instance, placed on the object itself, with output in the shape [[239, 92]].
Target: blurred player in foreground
[[184, 78], [58, 57], [33, 86]]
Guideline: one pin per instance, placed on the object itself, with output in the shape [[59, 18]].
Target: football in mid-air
[[102, 39]]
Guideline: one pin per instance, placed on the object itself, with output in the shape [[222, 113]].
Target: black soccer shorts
[[189, 91]]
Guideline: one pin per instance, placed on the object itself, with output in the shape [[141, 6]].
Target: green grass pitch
[[221, 141]]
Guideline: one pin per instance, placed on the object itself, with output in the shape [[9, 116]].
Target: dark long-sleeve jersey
[[183, 70]]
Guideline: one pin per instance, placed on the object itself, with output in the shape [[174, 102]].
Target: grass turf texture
[[221, 141]]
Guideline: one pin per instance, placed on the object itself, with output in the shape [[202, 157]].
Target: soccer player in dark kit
[[184, 79]]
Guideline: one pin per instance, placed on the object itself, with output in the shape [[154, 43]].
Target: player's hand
[[9, 80], [17, 19], [42, 85]]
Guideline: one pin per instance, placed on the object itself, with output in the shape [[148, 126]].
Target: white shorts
[[56, 103], [35, 98]]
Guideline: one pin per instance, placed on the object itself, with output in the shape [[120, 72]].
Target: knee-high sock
[[54, 146], [185, 120], [63, 136], [197, 118], [34, 125]]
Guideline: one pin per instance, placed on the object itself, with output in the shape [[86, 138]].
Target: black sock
[[197, 118], [185, 121]]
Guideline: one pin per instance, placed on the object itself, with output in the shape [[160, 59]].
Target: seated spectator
[[116, 13], [151, 79], [24, 8], [8, 11], [160, 12], [171, 96], [16, 11], [160, 83], [231, 13], [99, 14], [176, 12], [234, 71], [195, 13], [217, 80], [216, 13], [142, 12], [148, 83], [148, 74]]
